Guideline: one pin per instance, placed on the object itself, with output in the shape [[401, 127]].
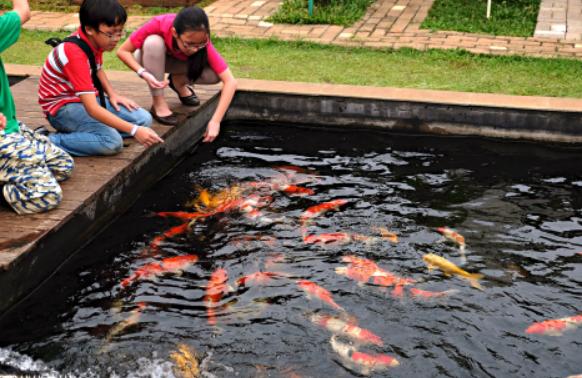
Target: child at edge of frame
[[30, 165], [73, 77]]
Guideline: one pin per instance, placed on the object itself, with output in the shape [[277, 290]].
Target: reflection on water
[[339, 294]]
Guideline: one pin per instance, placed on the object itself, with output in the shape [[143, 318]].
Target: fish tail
[[474, 279]]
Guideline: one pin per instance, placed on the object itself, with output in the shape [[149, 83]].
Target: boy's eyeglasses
[[118, 35]]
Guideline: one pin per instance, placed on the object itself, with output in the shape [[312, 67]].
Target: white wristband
[[134, 130], [141, 71]]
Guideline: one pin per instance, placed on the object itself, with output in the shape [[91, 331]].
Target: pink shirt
[[162, 26]]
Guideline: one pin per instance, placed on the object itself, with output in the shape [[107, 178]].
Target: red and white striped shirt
[[66, 75]]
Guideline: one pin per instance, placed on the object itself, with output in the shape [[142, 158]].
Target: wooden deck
[[20, 234]]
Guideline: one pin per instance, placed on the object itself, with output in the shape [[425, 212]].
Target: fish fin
[[341, 270], [474, 279]]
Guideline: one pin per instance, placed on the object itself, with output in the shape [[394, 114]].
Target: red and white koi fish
[[317, 210], [250, 207], [216, 288], [340, 327], [328, 238], [555, 327], [362, 363], [424, 294], [153, 270], [452, 236], [259, 278], [364, 270], [313, 289]]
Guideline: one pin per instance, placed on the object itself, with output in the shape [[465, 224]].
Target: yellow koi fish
[[185, 362], [450, 269]]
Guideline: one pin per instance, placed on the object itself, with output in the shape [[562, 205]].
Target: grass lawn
[[508, 17], [64, 6], [336, 12], [309, 62]]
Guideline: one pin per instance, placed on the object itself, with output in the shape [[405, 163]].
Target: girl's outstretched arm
[[228, 89]]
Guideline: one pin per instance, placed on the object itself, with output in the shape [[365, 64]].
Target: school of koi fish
[[348, 340]]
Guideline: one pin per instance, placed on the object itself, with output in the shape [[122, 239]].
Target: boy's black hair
[[96, 12]]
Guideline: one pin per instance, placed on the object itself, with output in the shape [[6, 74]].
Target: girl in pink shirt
[[179, 44]]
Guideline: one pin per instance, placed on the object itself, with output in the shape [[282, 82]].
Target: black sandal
[[171, 119], [191, 100]]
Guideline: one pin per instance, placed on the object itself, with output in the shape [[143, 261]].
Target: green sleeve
[[9, 29]]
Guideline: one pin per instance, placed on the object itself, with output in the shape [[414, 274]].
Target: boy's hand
[[2, 121], [147, 137], [153, 82], [116, 101], [212, 131]]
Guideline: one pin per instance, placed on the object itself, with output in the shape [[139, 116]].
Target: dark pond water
[[518, 206]]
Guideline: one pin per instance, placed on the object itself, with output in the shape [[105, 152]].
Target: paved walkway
[[387, 24]]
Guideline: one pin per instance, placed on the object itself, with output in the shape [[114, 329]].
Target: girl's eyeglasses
[[194, 46]]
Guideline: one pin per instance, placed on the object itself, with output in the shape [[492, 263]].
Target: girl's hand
[[212, 131], [152, 81], [116, 100], [147, 137], [2, 121]]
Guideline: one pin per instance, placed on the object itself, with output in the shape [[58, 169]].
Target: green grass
[[508, 17], [308, 62], [336, 12], [65, 6]]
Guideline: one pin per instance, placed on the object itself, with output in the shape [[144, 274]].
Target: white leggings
[[152, 56]]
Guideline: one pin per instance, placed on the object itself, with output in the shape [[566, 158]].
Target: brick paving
[[387, 24]]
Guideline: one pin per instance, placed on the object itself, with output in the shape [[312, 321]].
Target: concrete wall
[[409, 116]]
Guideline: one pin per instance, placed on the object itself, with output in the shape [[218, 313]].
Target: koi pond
[[293, 251]]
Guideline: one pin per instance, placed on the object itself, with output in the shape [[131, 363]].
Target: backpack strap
[[54, 42]]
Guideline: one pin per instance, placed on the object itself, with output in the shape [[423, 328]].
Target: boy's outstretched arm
[[146, 136], [23, 9]]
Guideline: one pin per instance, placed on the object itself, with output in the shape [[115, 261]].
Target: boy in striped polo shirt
[[68, 94]]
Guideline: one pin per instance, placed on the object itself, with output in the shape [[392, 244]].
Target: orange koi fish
[[184, 215], [317, 210], [176, 230], [384, 278], [258, 278], [452, 236], [297, 190], [274, 259], [153, 270], [362, 363], [339, 327], [359, 269], [418, 293], [215, 289], [312, 289], [555, 327], [328, 238], [387, 234]]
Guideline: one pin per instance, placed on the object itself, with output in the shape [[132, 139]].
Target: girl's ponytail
[[194, 18]]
